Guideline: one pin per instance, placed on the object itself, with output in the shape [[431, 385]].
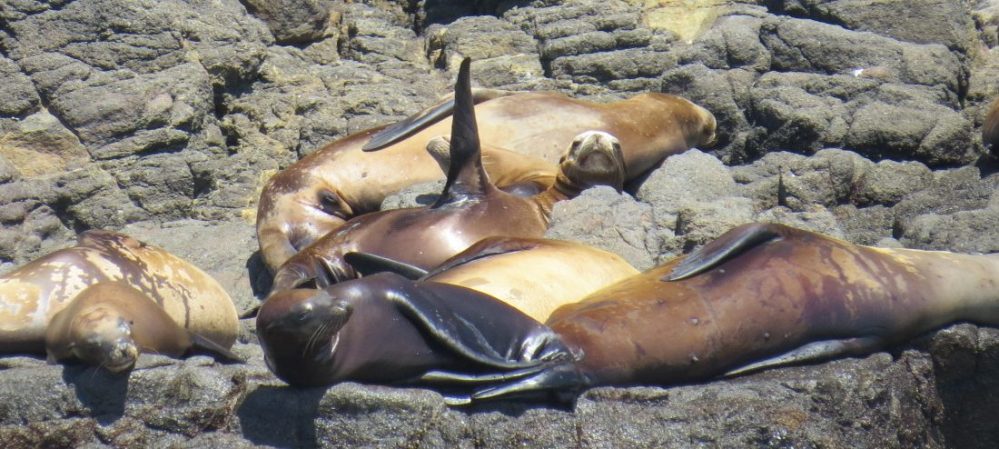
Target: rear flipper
[[560, 378], [727, 246], [202, 345], [433, 114], [814, 352]]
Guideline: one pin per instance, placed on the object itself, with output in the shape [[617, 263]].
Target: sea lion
[[990, 127], [385, 328], [317, 194], [765, 295], [535, 276], [469, 208], [108, 286]]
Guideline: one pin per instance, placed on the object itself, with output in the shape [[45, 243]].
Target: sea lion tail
[[465, 175]]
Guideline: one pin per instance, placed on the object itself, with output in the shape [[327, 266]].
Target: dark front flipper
[[728, 246], [477, 327], [367, 264], [814, 352], [433, 114], [487, 247], [202, 345]]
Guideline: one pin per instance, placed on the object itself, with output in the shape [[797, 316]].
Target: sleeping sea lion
[[535, 276], [83, 302], [385, 328], [470, 207], [990, 128], [339, 181]]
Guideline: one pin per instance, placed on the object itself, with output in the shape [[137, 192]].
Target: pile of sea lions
[[466, 296]]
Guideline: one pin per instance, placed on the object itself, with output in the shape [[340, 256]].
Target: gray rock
[[699, 222], [866, 226], [504, 55], [17, 95], [294, 21], [969, 231], [39, 145], [952, 191], [692, 176], [952, 21], [417, 195], [815, 218], [605, 219]]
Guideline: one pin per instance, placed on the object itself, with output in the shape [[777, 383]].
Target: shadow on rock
[[281, 416], [104, 393]]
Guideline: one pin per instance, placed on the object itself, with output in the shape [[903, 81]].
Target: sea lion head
[[299, 333], [705, 130], [96, 335], [594, 158], [295, 210]]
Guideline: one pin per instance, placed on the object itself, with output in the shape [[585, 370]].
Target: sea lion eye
[[329, 202]]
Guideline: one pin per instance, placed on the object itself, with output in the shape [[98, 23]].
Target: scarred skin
[[339, 181], [777, 296], [34, 294]]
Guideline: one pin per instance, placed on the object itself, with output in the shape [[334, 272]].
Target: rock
[[608, 220], [503, 55], [968, 231], [40, 145], [699, 222], [688, 177], [952, 21], [815, 218], [17, 95], [294, 21], [951, 191], [418, 195]]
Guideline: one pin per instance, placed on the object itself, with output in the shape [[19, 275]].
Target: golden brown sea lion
[[469, 209], [766, 294], [114, 286], [318, 193], [535, 276], [990, 128]]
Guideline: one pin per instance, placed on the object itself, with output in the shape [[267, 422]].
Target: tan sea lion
[[114, 286], [535, 276], [469, 209], [990, 128], [318, 193]]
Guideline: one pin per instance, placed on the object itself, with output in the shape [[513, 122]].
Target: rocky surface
[[164, 118]]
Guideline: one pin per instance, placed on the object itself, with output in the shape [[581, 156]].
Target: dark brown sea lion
[[107, 287], [990, 128], [318, 193], [535, 276], [385, 328], [469, 209]]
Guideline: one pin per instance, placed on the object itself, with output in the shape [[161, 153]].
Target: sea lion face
[[594, 158], [296, 210], [299, 333], [101, 337]]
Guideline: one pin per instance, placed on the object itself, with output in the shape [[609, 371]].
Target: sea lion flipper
[[814, 352], [563, 377], [433, 114], [729, 245], [480, 328], [465, 176], [203, 345], [368, 263], [489, 246]]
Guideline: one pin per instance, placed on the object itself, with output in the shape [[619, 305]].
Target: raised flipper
[[487, 247], [202, 345], [814, 352], [518, 174], [433, 114], [367, 264], [728, 246]]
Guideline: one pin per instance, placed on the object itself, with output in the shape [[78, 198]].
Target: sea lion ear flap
[[367, 264], [202, 345], [720, 250]]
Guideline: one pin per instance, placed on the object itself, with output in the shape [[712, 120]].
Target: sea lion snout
[[101, 337]]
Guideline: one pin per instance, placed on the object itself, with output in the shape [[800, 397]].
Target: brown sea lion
[[469, 209], [535, 276], [990, 128], [765, 295], [339, 181], [110, 286]]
